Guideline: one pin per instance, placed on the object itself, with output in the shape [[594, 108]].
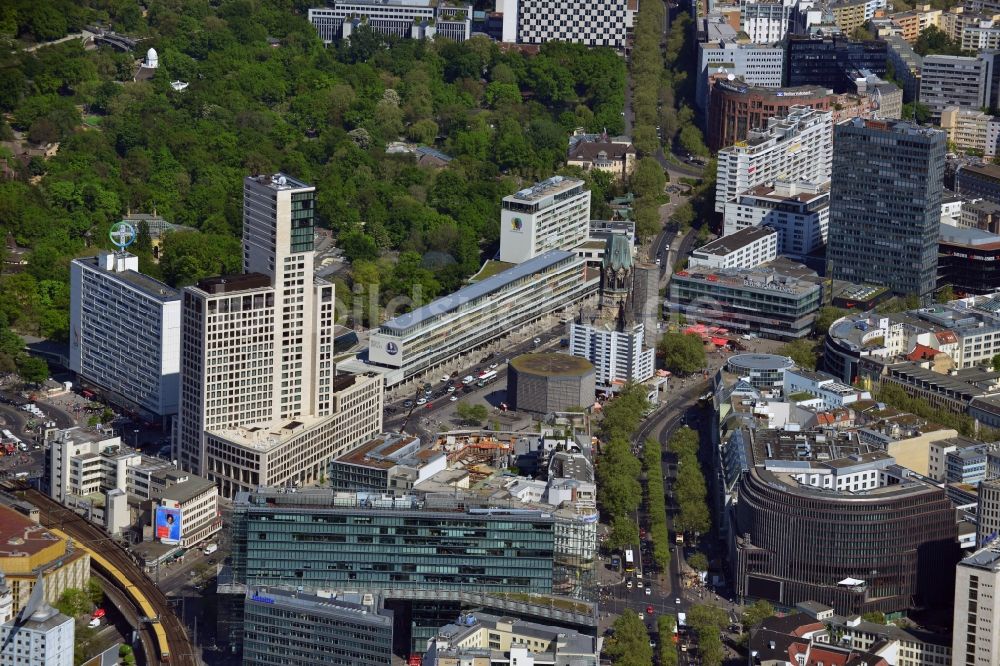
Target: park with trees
[[265, 95]]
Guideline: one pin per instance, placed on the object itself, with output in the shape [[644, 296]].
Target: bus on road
[[629, 560]]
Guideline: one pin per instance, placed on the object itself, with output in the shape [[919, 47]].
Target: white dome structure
[[152, 60]]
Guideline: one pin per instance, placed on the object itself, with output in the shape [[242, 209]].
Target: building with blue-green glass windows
[[325, 540], [289, 628]]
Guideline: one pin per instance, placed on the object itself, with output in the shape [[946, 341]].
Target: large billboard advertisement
[[168, 525]]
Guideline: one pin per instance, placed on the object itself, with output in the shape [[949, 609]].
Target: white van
[[211, 548]]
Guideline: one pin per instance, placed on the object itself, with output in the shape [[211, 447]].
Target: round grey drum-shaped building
[[765, 371], [546, 383]]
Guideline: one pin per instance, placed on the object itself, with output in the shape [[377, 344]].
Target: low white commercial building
[[800, 212], [589, 22], [479, 313], [615, 349], [489, 640], [798, 147], [553, 214], [416, 19], [747, 248], [827, 390], [198, 502], [125, 333]]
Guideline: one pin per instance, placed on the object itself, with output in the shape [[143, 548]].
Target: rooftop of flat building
[[322, 499], [476, 291], [893, 126], [545, 188], [149, 286], [333, 607], [760, 362], [185, 491], [798, 192], [568, 640], [988, 170], [738, 241], [987, 558], [835, 450], [773, 276], [22, 537], [963, 383], [388, 450], [227, 284], [280, 181]]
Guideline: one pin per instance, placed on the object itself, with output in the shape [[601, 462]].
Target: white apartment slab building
[[479, 313], [747, 248], [798, 147], [125, 333], [766, 21], [551, 215], [976, 626], [257, 348], [616, 349], [416, 19], [800, 212], [723, 49], [588, 22]]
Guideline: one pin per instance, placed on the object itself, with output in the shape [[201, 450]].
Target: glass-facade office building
[[321, 539], [292, 629]]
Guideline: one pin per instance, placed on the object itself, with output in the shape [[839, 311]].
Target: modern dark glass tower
[[885, 204]]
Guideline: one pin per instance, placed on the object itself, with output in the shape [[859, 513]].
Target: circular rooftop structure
[[552, 364], [761, 362], [547, 383]]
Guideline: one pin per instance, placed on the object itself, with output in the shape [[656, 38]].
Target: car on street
[[451, 389], [445, 378], [649, 591], [677, 600], [649, 610], [642, 616], [628, 583], [453, 398], [494, 366], [639, 584], [421, 401], [408, 404], [537, 341]]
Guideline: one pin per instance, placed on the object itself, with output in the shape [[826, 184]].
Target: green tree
[[708, 622], [624, 533], [629, 644], [945, 294], [875, 617], [995, 363], [32, 370], [94, 591], [934, 41], [648, 179], [73, 602], [698, 562], [683, 353], [665, 625], [472, 413], [802, 352], [756, 613], [827, 315]]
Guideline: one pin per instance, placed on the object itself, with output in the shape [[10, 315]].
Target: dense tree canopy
[[324, 115]]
